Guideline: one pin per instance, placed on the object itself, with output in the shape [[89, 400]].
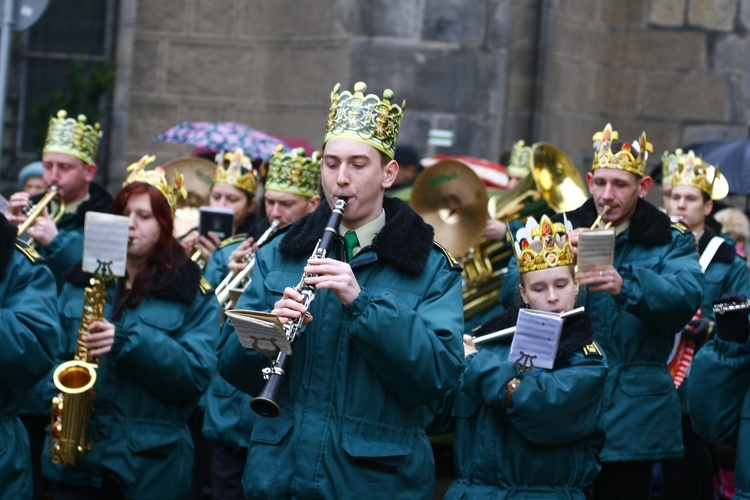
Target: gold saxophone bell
[[35, 210]]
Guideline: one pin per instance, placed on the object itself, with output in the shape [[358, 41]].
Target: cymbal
[[452, 198], [199, 177]]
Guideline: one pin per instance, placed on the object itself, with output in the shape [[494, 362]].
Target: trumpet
[[34, 211], [197, 257], [597, 223], [265, 404], [235, 283]]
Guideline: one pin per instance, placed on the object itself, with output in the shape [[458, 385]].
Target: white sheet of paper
[[595, 247], [537, 334], [105, 239]]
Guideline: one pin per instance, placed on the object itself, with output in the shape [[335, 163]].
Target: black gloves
[[697, 330], [732, 324]]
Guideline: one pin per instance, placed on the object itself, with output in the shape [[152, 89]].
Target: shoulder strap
[[710, 251]]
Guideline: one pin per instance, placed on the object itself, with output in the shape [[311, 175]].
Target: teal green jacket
[[354, 397], [162, 360], [217, 266], [719, 402], [546, 442], [67, 248], [662, 288], [29, 335]]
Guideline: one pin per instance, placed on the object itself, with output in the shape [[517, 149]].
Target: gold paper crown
[[157, 179], [669, 162], [625, 159], [690, 170], [293, 172], [236, 169], [364, 118], [519, 164], [72, 137], [543, 245]]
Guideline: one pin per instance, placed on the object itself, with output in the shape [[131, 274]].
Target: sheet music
[[259, 331], [595, 247], [537, 334], [105, 240]]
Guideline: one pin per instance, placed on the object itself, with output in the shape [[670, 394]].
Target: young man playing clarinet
[[381, 340]]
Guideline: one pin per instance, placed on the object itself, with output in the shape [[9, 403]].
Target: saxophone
[[75, 379]]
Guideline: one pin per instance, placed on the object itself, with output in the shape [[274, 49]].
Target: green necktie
[[351, 241]]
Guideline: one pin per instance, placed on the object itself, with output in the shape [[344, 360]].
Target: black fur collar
[[725, 252], [8, 234], [576, 333], [99, 201], [404, 242], [648, 224], [182, 287]]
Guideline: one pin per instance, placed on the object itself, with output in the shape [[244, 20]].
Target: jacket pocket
[[168, 319], [645, 381], [271, 430], [378, 450], [148, 443]]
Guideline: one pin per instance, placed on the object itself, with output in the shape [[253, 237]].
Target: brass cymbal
[[199, 176], [451, 197]]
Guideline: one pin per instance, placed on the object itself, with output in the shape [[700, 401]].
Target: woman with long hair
[[156, 348], [524, 431]]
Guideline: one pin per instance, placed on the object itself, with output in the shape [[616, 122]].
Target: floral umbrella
[[222, 136]]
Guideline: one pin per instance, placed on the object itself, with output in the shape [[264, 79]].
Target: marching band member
[[29, 327], [234, 187], [719, 387], [651, 290], [68, 160], [156, 346], [694, 186], [539, 433], [382, 339], [290, 191]]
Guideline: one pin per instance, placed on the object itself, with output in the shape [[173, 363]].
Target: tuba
[[33, 211], [265, 404], [75, 379], [232, 286]]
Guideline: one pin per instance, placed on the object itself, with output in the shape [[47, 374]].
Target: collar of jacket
[[725, 253], [648, 224], [8, 234], [182, 287], [404, 242], [576, 333]]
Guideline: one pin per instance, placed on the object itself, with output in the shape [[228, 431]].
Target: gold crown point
[[62, 114], [360, 87]]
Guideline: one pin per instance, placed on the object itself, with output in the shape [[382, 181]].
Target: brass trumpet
[[234, 284], [598, 222], [38, 208]]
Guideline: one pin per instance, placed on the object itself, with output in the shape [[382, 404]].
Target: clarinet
[[265, 404]]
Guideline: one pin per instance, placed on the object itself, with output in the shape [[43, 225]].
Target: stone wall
[[493, 71]]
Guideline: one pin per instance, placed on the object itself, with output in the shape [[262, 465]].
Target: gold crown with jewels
[[519, 163], [543, 244], [73, 137], [631, 157], [158, 179], [236, 169], [691, 170], [364, 118], [293, 172]]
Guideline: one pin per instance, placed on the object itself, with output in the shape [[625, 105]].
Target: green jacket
[[662, 288], [162, 360], [355, 393], [29, 327], [719, 401], [546, 443], [67, 248]]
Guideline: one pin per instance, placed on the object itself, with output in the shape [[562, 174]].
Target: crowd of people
[[639, 389]]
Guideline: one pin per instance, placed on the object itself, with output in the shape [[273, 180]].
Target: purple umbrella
[[226, 136], [733, 159]]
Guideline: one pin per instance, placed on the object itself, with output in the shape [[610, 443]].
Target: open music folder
[[260, 331]]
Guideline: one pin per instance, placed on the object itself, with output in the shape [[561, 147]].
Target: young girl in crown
[[529, 431], [156, 346]]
